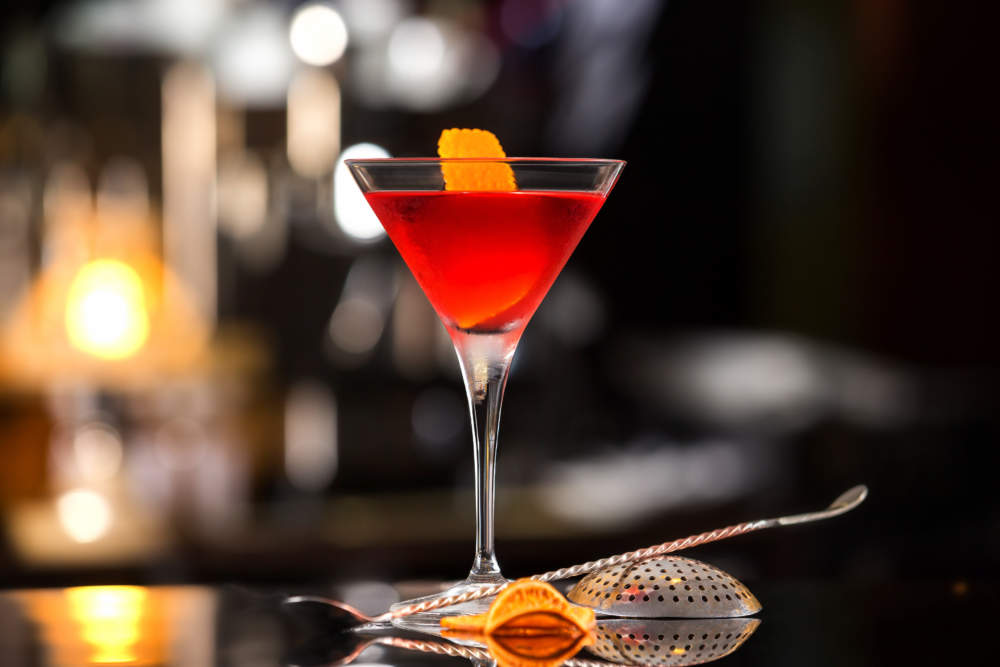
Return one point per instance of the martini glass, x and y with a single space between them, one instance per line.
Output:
485 260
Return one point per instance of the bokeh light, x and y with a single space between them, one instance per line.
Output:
429 64
370 20
416 48
313 121
353 214
318 34
242 194
311 449
84 514
97 451
106 310
356 325
252 59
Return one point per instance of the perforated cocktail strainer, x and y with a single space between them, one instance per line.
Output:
665 587
673 642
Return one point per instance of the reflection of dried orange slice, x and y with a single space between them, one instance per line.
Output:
479 176
537 651
527 608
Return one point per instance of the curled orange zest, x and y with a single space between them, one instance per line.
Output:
475 176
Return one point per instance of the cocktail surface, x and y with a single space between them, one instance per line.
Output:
485 259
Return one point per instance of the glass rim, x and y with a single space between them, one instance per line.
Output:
507 160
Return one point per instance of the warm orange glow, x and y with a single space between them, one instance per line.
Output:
106 312
109 617
678 651
675 580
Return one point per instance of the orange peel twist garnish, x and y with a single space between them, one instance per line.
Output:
475 176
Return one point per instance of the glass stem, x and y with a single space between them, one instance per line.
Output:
485 361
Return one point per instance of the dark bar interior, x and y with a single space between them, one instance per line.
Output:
220 384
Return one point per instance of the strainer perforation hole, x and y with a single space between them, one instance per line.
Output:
618 635
690 636
717 635
656 587
659 637
714 646
676 599
656 647
607 595
631 598
631 636
676 637
704 637
698 578
687 588
673 588
690 598
619 596
717 599
729 635
729 597
642 586
701 588
704 598
628 585
714 587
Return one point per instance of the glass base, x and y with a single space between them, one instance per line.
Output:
430 621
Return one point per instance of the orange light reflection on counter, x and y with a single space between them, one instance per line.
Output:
109 617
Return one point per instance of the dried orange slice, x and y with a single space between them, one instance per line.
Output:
476 176
527 608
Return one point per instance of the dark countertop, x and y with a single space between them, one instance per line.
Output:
925 621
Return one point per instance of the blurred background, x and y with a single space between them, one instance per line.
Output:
215 367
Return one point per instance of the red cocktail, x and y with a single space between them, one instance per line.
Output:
485 259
